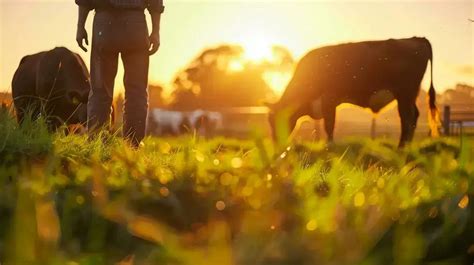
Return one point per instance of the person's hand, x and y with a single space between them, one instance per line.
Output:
154 43
81 37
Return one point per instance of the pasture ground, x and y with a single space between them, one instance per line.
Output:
70 200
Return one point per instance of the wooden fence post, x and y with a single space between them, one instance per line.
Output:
373 128
446 120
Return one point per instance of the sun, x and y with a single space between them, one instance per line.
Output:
257 48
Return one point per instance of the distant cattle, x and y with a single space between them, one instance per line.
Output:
173 123
54 84
369 74
166 122
205 123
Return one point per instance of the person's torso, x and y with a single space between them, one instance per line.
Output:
120 29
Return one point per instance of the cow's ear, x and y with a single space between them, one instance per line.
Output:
48 72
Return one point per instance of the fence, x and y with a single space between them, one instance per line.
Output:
458 120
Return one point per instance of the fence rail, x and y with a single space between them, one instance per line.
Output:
457 121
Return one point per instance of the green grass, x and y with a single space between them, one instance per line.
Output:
67 199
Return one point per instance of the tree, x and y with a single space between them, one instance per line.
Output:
222 77
185 100
155 95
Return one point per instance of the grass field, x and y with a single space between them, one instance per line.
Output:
70 200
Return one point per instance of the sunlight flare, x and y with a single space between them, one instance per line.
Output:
257 48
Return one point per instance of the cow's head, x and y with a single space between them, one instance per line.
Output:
283 119
79 84
272 113
78 106
72 78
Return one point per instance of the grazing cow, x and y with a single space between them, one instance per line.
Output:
172 123
55 84
216 120
369 74
167 122
205 123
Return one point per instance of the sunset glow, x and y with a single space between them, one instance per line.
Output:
277 81
298 25
257 48
236 65
257 52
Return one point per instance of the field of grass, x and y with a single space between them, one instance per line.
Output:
67 199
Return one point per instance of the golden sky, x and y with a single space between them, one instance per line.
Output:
189 26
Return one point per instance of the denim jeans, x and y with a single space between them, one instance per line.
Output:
124 33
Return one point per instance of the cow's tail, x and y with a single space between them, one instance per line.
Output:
434 113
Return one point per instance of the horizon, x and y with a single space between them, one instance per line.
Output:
256 27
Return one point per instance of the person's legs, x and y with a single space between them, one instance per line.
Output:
104 62
136 95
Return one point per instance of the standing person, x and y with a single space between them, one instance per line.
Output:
120 28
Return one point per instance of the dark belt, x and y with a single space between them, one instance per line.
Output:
108 14
120 11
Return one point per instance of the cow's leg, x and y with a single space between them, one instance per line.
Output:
414 122
329 115
408 119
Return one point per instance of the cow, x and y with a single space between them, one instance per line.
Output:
205 123
370 74
216 120
54 84
173 123
167 122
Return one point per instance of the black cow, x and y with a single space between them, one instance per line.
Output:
369 74
55 84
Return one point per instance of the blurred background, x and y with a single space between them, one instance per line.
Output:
224 55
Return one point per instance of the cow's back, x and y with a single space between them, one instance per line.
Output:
363 57
352 71
24 79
